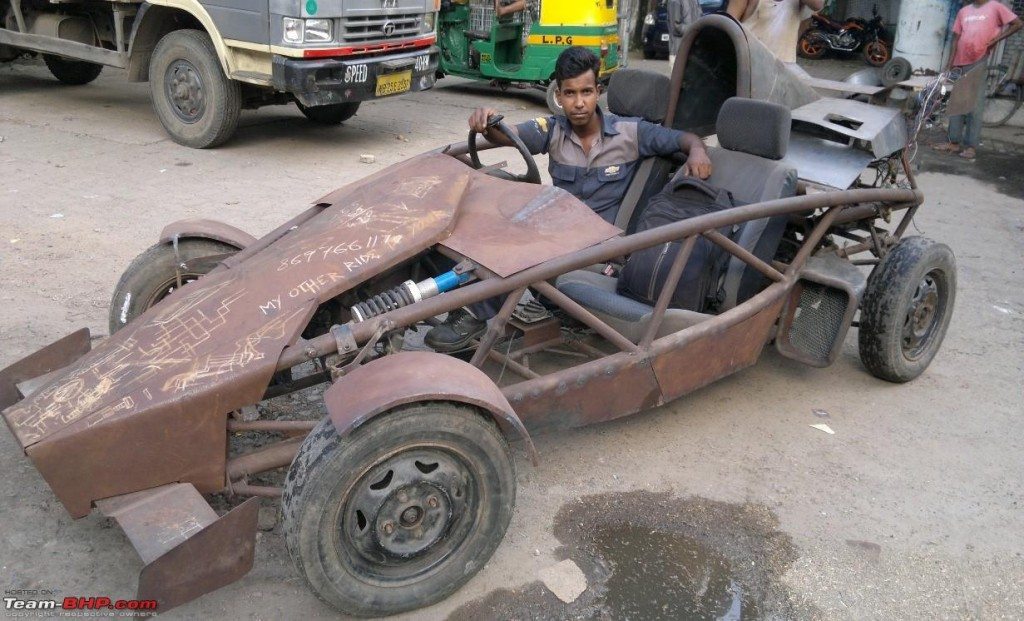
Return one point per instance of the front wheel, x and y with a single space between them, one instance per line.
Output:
401 512
72 72
906 309
877 53
332 114
156 273
196 103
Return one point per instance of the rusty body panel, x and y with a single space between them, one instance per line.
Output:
546 226
58 354
148 405
187 549
207 229
408 377
214 557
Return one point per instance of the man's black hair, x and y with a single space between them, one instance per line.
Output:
574 62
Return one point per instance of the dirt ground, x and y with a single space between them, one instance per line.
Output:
724 504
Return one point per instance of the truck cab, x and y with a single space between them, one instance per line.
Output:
205 61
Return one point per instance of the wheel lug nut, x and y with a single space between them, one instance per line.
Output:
432 502
388 528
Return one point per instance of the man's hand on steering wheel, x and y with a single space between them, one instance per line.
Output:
488 122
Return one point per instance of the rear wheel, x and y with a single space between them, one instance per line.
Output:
1002 104
152 276
72 72
331 114
906 309
811 46
401 512
877 53
197 104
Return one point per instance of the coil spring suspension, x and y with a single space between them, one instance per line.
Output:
383 302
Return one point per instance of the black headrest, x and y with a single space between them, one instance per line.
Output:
755 127
634 92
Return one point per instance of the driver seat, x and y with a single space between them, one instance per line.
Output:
642 94
754 136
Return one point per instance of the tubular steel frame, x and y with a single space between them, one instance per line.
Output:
862 205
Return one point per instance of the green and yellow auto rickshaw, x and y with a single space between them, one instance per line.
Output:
520 49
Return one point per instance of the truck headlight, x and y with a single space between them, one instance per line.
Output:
317 31
292 30
428 22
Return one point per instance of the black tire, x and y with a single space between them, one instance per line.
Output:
151 277
72 72
811 46
1000 107
552 99
906 309
401 512
895 71
649 54
196 103
333 114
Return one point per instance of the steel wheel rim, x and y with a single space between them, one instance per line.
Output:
169 286
184 89
927 308
878 52
406 515
812 49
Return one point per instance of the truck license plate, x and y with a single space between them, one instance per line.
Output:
393 83
664 37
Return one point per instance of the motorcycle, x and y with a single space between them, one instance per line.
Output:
869 37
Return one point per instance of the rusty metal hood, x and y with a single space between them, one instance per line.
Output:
212 346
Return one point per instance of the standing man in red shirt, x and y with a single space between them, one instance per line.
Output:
979 26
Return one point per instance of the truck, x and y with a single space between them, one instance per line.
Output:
206 60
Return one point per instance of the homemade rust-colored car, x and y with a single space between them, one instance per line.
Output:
401 494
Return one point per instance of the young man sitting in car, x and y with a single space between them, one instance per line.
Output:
592 155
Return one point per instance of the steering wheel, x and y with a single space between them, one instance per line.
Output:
532 174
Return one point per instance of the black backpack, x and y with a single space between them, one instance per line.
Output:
645 272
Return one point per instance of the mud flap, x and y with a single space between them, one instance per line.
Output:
187 549
54 356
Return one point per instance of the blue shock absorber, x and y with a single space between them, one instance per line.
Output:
407 293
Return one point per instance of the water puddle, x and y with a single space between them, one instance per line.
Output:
666 575
650 556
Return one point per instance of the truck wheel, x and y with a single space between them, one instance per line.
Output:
332 114
401 512
73 72
552 99
197 104
906 309
151 277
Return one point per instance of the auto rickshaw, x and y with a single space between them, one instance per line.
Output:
521 49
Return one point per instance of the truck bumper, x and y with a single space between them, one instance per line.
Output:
320 82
